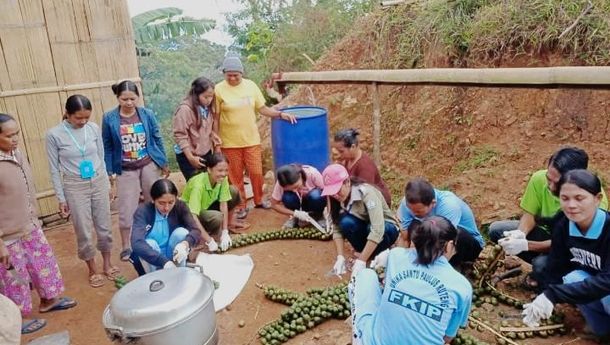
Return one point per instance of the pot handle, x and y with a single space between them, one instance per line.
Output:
113 331
195 266
156 285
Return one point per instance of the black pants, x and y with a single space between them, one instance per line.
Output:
187 169
467 248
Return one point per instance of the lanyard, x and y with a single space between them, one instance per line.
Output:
79 147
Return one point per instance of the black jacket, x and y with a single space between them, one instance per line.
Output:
569 253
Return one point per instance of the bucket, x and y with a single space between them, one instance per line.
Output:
306 142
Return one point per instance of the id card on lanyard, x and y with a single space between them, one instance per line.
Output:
85 167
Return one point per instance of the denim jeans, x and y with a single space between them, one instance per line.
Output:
312 202
177 236
596 313
356 231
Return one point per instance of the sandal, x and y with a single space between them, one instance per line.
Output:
63 303
113 274
96 280
125 254
32 326
529 283
239 227
241 214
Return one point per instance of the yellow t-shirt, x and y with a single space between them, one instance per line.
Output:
238 106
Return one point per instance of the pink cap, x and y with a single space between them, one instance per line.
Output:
333 176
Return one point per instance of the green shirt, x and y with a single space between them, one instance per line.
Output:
199 193
539 201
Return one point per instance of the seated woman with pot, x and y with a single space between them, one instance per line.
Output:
163 231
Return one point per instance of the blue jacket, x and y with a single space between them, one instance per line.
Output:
113 150
144 220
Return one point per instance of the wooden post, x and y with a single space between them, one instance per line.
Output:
376 125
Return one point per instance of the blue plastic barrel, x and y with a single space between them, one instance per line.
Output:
305 142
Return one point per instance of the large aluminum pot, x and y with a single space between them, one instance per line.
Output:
171 306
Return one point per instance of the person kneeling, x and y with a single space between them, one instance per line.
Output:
425 300
578 266
362 214
163 231
298 193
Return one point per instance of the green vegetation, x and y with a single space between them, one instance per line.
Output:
276 36
485 32
478 157
167 23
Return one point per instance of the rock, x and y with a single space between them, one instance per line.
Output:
241 323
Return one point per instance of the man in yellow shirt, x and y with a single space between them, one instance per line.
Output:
237 102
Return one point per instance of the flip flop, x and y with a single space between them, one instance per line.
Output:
113 273
96 280
63 303
125 254
32 326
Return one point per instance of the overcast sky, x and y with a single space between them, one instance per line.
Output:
212 9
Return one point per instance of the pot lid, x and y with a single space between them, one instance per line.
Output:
158 300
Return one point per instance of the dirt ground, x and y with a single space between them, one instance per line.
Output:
296 265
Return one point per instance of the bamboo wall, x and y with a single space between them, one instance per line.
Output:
51 49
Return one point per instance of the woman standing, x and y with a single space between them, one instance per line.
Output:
298 192
25 255
362 215
76 161
237 102
424 299
578 266
192 128
163 230
358 163
133 153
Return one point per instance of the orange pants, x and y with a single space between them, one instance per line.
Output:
251 158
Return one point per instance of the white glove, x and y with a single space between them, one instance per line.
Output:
169 264
358 266
225 240
516 234
301 215
381 260
339 267
212 245
540 308
181 252
513 246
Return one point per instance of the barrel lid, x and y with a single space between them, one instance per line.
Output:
304 112
158 300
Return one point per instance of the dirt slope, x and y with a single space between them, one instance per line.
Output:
481 143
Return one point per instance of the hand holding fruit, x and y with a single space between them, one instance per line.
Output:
540 308
381 260
212 245
225 240
181 252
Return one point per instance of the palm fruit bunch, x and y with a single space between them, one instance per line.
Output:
120 281
291 234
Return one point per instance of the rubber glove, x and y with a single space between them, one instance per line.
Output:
301 215
169 264
540 308
225 240
513 246
358 266
212 245
516 234
328 220
339 267
181 252
381 260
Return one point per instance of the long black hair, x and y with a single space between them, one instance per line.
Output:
161 187
125 85
583 179
199 86
289 174
430 238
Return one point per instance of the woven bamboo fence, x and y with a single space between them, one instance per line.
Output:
51 49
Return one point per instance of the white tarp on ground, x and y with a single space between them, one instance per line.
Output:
230 271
